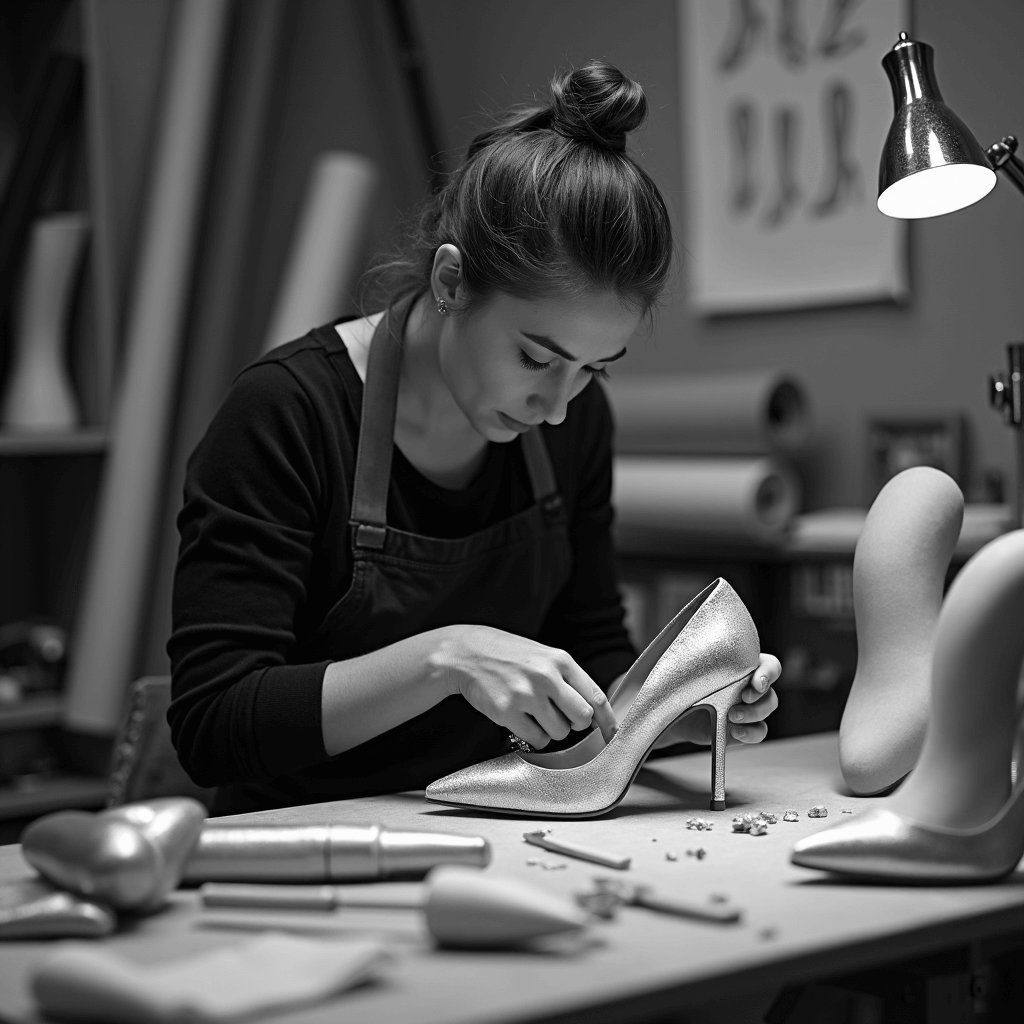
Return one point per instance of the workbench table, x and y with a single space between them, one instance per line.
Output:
798 926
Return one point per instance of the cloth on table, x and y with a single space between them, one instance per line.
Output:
89 983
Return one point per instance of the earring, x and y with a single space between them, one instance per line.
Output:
442 306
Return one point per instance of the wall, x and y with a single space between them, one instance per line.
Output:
338 89
966 269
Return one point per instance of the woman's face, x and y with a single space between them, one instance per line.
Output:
513 363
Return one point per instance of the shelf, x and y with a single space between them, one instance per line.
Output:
30 798
835 531
827 533
89 441
40 712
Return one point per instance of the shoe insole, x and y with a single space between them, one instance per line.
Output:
593 743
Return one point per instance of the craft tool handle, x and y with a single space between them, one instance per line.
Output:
679 908
268 897
325 853
394 896
608 860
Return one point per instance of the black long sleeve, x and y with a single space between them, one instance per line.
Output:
265 553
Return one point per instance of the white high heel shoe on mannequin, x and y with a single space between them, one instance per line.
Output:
954 820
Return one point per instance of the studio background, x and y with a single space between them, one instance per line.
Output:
966 269
304 76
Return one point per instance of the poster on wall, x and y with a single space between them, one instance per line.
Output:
785 109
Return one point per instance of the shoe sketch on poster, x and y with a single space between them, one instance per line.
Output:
785 110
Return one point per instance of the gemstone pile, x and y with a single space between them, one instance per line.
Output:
754 824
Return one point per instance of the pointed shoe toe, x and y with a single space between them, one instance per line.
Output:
701 659
975 663
881 845
864 845
481 785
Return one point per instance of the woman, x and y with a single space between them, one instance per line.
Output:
395 542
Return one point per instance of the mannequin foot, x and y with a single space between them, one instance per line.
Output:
954 820
963 777
899 569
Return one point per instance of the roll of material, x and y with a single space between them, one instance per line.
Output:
117 582
327 246
742 500
750 413
326 853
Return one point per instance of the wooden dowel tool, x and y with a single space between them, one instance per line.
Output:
607 860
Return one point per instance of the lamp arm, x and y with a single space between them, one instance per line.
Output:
1006 390
1003 157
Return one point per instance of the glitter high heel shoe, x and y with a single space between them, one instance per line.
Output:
701 659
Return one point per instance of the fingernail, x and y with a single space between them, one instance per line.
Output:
739 732
736 715
762 682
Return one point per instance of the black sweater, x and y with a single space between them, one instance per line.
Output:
265 553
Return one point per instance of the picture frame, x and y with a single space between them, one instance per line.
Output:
785 110
896 443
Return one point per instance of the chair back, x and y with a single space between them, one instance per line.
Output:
144 764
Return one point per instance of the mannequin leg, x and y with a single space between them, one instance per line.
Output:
962 778
898 574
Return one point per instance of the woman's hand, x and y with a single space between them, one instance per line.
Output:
747 719
537 692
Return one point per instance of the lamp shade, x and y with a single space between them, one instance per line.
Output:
932 163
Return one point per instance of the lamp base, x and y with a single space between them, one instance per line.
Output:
1017 503
1006 393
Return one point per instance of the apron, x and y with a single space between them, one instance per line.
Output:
506 576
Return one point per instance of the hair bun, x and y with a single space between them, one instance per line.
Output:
597 103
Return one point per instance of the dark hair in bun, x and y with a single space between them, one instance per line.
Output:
599 104
547 200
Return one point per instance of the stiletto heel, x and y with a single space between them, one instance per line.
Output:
701 659
718 704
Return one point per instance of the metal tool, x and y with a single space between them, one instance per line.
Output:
326 853
385 895
608 894
462 908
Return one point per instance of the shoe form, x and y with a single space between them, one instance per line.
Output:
899 571
884 845
127 857
978 650
701 659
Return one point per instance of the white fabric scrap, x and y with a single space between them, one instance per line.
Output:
89 983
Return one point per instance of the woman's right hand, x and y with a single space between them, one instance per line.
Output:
537 692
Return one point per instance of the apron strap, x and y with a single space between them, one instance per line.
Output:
538 466
377 437
377 428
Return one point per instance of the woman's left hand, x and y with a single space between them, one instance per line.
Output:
746 719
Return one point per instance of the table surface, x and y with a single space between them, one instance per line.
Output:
798 925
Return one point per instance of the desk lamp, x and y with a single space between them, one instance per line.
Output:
932 164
